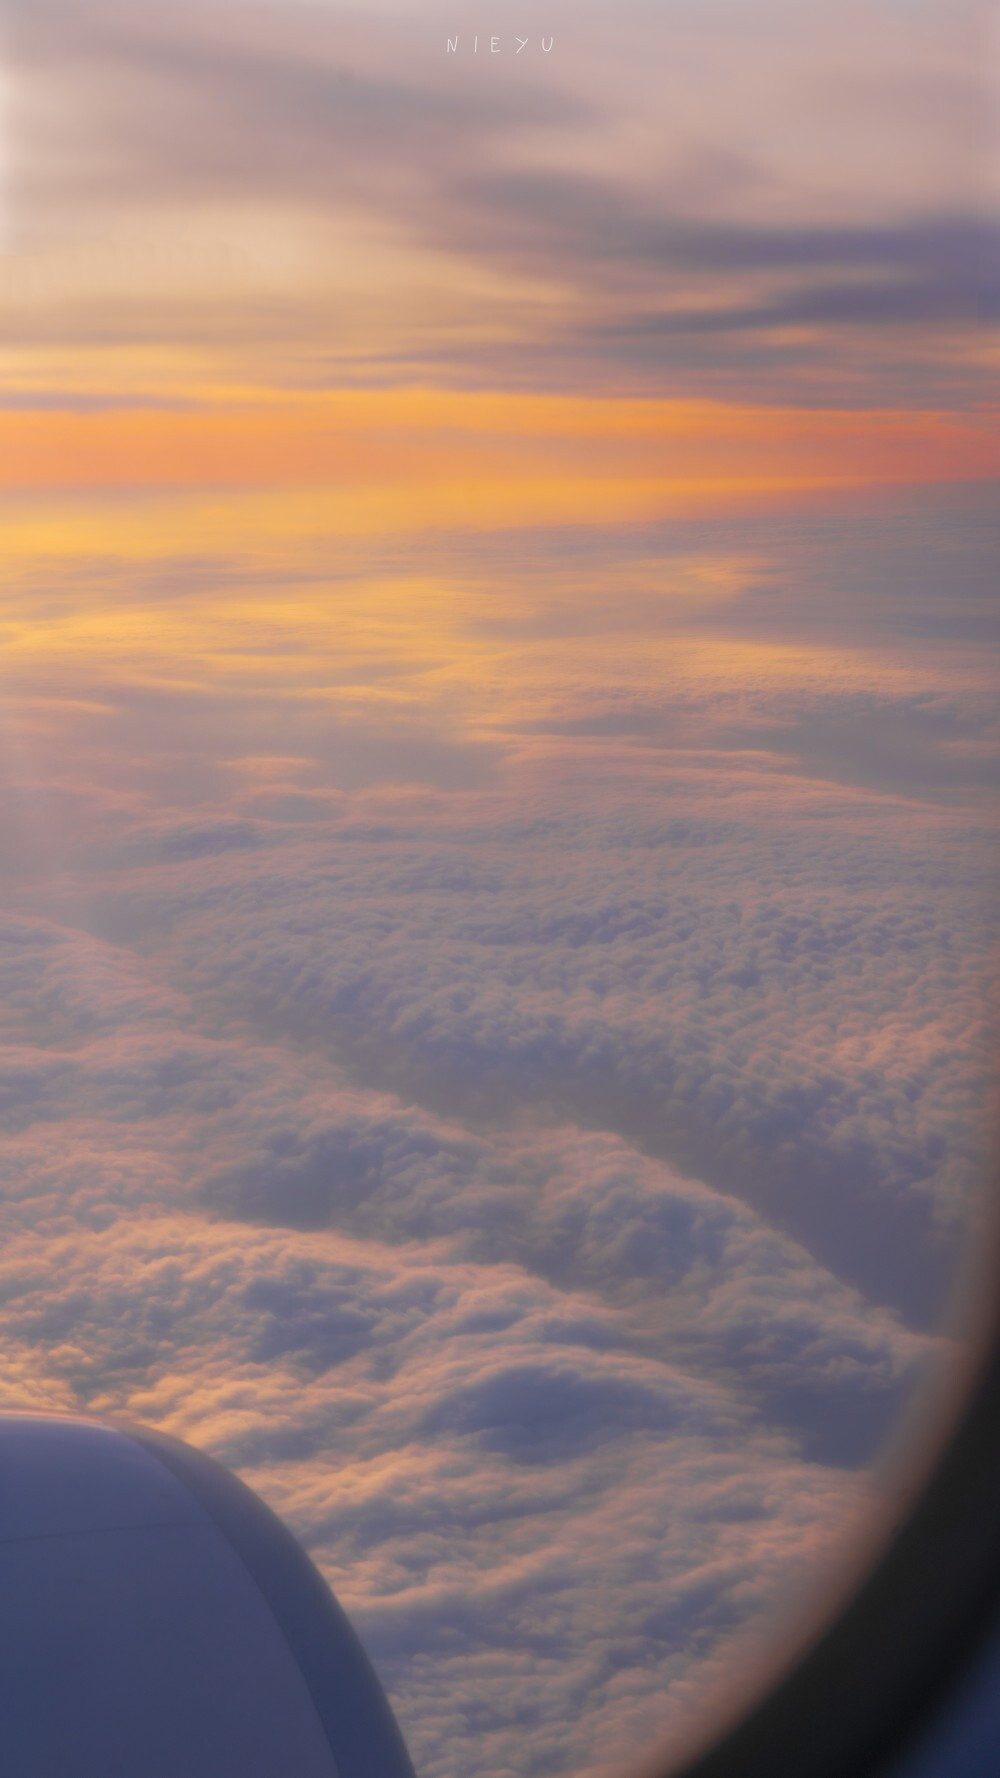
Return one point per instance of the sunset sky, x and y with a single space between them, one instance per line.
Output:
498 757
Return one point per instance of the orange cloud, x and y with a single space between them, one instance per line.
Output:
424 439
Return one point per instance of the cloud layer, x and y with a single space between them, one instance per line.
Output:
518 1098
625 209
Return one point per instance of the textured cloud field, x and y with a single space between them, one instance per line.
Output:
518 1094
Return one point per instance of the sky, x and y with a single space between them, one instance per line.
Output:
498 761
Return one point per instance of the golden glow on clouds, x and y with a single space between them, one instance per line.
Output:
290 479
415 438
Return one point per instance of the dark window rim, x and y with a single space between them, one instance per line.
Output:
886 1662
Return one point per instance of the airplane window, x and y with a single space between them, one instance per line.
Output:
498 760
